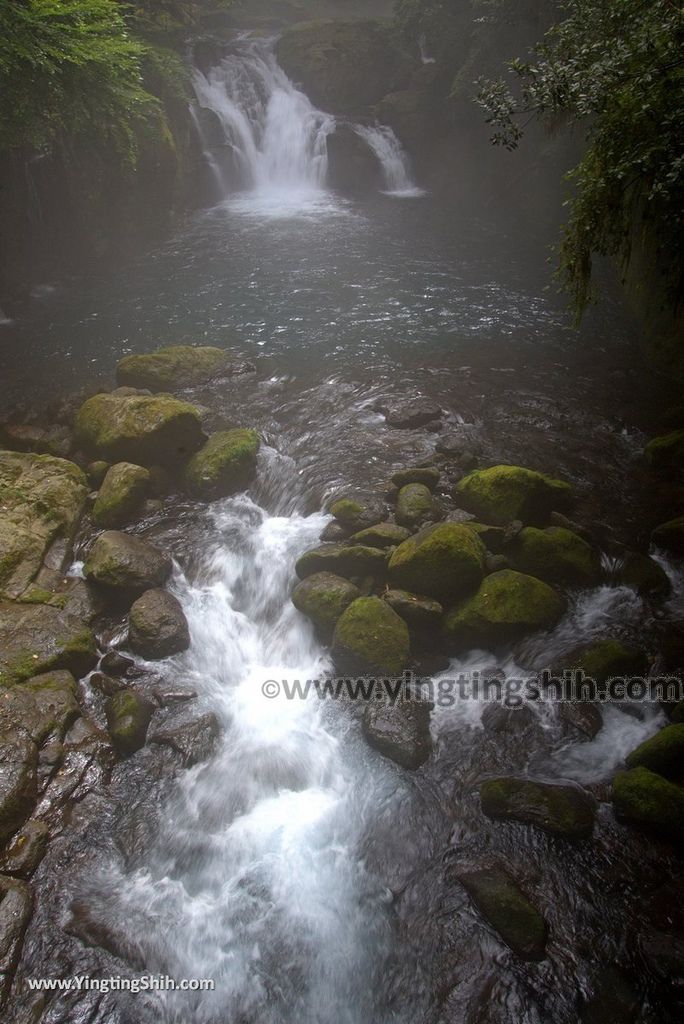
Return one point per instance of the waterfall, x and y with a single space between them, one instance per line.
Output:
393 158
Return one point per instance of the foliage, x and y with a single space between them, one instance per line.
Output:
617 68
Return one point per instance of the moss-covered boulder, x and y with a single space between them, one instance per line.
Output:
643 574
38 638
41 502
560 810
555 555
400 732
444 562
666 451
415 506
647 800
343 560
603 660
157 626
177 366
224 465
96 472
670 536
504 905
128 717
428 476
507 605
125 564
323 597
371 639
421 613
382 535
501 494
662 753
123 491
128 426
356 514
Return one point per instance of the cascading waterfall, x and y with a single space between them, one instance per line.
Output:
393 159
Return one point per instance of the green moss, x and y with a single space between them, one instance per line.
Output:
382 535
371 638
605 659
662 753
342 559
123 491
647 800
226 464
666 450
346 510
503 493
176 366
444 562
128 716
506 907
415 505
560 810
555 555
37 595
323 597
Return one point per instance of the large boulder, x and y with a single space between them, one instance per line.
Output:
508 910
370 639
356 514
603 660
323 597
400 732
343 66
157 626
643 574
666 451
662 753
561 810
670 536
130 426
342 559
126 564
41 502
649 801
415 506
224 465
501 494
177 366
128 717
444 562
555 555
123 491
382 535
37 638
507 605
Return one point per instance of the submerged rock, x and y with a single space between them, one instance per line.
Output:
418 611
123 491
226 464
561 810
670 536
507 605
554 555
323 597
370 638
662 753
356 514
126 564
502 903
410 414
583 715
38 638
194 740
382 535
177 366
647 800
502 493
643 574
130 426
400 732
342 559
613 1000
415 506
157 626
128 717
444 562
666 451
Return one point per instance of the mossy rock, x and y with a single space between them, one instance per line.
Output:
224 465
603 660
415 506
323 597
643 574
666 451
426 475
662 753
502 903
157 626
670 536
123 491
176 366
443 561
127 426
356 514
125 564
37 638
382 535
560 810
343 560
647 800
370 638
96 472
554 555
55 699
417 611
507 605
501 494
128 717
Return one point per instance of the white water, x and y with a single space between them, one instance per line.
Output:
393 159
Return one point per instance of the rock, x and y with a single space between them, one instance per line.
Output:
603 660
555 555
418 612
370 639
157 626
499 718
335 532
428 476
104 684
342 559
128 717
560 810
666 451
444 562
670 536
495 563
130 426
125 564
352 165
505 906
178 366
643 574
343 66
323 597
18 780
493 537
662 753
55 706
226 464
355 514
502 493
408 415
649 801
16 905
123 491
26 850
114 663
400 732
507 605
41 502
96 472
558 519
613 1000
583 715
195 741
382 535
39 638
21 437
415 506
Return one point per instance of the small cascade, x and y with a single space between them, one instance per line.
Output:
422 47
393 159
